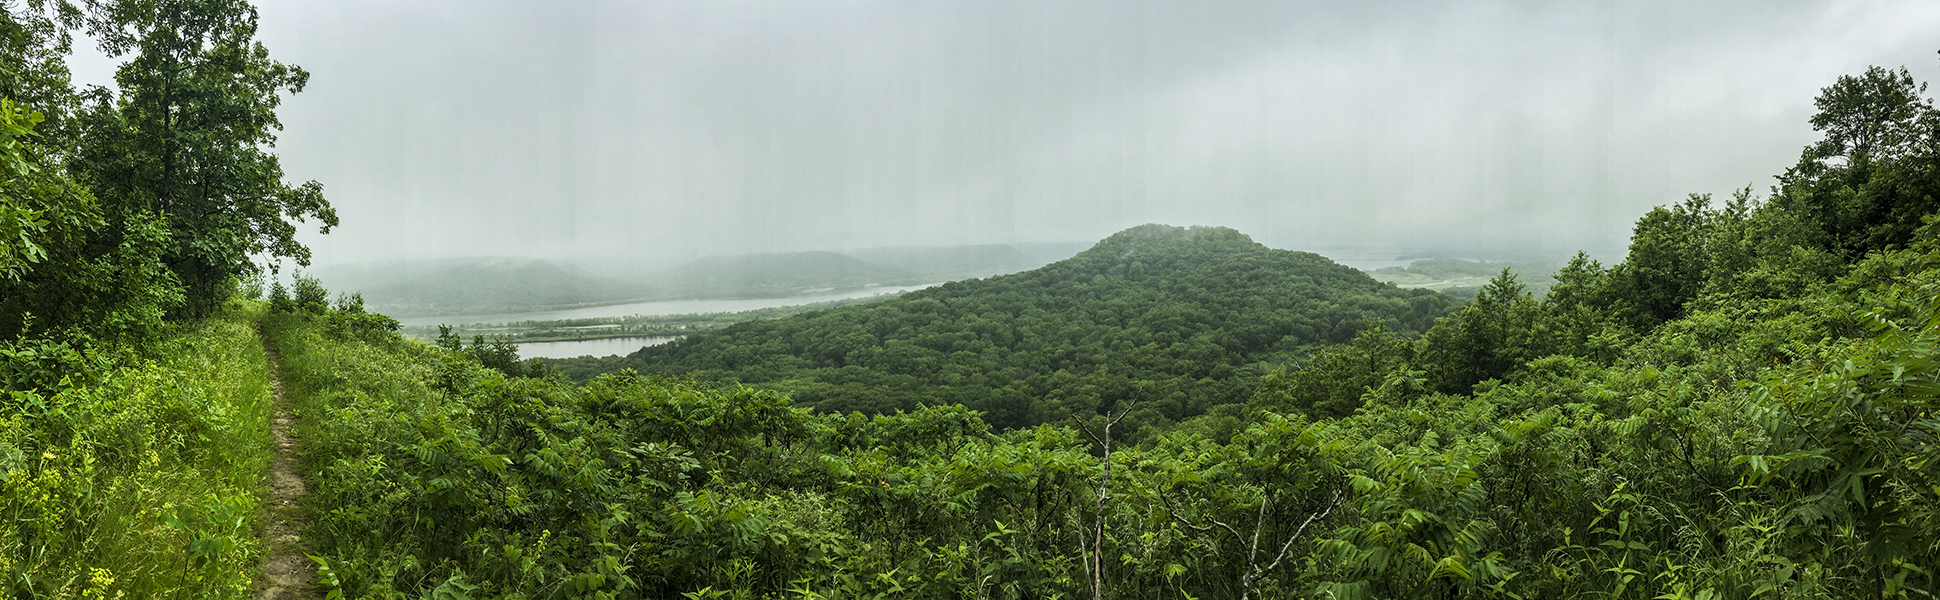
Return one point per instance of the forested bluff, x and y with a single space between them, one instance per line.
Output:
1743 407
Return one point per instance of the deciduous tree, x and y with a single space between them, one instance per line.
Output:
189 137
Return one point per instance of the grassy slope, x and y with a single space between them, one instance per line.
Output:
146 483
350 398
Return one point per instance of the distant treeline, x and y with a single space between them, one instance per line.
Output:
504 285
596 328
1463 278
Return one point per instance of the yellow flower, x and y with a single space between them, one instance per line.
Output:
98 581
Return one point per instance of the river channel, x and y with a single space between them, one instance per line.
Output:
605 347
662 307
628 345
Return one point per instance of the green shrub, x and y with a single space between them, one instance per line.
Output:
279 298
309 294
142 480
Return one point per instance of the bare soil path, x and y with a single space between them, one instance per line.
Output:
287 574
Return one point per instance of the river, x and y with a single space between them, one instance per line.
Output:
604 347
629 345
662 307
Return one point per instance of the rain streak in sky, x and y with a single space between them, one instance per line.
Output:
674 129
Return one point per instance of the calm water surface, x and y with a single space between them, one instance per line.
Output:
605 347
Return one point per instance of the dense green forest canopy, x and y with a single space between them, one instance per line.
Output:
1183 318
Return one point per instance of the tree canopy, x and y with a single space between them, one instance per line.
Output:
188 137
1867 184
125 207
1185 318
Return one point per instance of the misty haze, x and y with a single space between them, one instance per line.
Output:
658 133
508 156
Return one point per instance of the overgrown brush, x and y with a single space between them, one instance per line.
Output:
1772 448
141 479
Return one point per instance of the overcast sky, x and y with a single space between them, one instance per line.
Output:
685 128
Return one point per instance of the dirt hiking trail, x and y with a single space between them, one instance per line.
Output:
288 574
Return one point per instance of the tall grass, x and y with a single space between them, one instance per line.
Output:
350 393
146 483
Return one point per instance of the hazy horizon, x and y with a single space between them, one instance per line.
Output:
673 131
1365 258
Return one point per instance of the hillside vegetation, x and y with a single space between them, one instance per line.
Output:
1186 319
1759 447
1743 408
1747 406
134 474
